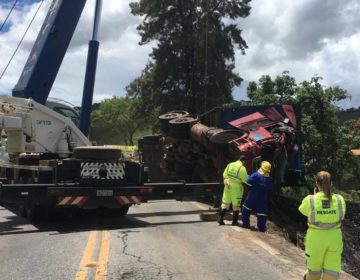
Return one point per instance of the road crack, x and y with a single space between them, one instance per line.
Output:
144 269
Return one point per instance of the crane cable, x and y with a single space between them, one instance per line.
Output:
12 8
18 46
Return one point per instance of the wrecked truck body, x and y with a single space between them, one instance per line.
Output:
198 148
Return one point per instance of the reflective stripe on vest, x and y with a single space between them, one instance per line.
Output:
325 225
235 177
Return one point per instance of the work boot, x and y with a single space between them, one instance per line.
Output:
327 276
312 276
221 217
235 218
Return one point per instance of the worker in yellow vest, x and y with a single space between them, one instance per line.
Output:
234 175
323 241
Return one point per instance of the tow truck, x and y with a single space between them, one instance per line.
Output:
46 160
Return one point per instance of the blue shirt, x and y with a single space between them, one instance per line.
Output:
258 186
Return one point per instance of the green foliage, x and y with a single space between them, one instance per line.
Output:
349 195
192 65
321 131
348 163
301 192
266 91
116 122
296 192
326 143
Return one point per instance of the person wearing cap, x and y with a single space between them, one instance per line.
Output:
234 175
258 184
323 241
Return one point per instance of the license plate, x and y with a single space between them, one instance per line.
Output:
104 193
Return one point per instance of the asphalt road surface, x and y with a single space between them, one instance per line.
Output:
156 240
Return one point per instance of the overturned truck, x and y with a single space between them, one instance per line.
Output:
196 149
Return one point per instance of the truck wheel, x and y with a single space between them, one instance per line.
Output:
115 212
180 128
121 212
22 210
37 213
220 141
97 153
165 118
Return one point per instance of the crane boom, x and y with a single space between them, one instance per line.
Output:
49 49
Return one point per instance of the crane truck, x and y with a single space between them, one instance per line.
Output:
46 160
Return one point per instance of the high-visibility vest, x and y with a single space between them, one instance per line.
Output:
236 172
323 213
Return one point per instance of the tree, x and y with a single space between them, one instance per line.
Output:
348 163
192 65
267 91
321 131
326 144
114 122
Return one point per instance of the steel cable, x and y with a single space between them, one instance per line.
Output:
7 17
27 29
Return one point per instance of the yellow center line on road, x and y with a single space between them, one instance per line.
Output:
101 269
87 261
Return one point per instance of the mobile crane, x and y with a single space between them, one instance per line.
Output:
46 161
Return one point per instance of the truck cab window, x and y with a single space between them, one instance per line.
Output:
74 116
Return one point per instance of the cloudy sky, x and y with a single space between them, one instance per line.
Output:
307 38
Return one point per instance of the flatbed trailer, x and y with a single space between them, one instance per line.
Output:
37 189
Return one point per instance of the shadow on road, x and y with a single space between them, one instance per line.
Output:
76 220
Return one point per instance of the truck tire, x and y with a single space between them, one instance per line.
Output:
38 213
97 153
165 118
180 128
22 210
121 212
115 212
220 141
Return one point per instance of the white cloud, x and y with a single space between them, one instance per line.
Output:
306 37
120 58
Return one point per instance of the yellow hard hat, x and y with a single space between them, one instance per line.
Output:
265 168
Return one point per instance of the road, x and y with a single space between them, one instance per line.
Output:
156 240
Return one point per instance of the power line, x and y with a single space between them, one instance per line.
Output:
27 29
12 8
